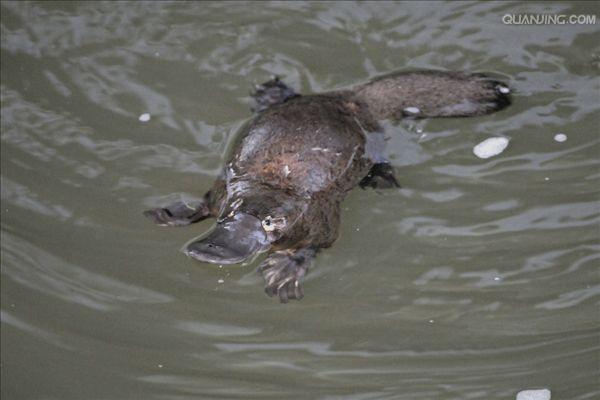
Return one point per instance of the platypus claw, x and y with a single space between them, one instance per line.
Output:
179 213
289 290
270 93
282 271
381 176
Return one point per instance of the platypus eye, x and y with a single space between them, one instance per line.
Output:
269 224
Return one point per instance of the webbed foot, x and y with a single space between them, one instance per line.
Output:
283 270
179 213
270 93
381 176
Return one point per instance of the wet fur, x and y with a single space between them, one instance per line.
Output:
300 155
434 93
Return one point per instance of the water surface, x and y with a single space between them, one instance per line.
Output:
477 279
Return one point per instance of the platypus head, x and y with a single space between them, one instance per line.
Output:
249 225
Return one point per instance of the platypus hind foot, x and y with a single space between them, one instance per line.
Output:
270 93
179 213
381 176
282 271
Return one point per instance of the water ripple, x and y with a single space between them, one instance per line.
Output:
52 338
325 349
21 196
37 269
218 330
523 162
570 299
562 216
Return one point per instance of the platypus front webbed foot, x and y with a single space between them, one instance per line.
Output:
282 271
270 93
179 213
381 176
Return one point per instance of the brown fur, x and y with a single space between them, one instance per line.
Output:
299 156
435 94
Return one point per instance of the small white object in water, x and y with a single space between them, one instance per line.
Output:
503 89
412 110
560 137
160 365
221 281
541 394
145 117
497 278
490 147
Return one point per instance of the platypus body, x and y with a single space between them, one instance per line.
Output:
295 161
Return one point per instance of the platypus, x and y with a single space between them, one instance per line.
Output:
296 159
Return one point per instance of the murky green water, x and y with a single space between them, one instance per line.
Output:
476 280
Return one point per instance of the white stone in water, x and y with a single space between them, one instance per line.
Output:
541 394
560 137
412 110
490 147
503 89
145 117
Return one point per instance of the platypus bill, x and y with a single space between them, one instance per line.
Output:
294 162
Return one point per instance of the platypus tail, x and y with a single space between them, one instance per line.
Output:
423 94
